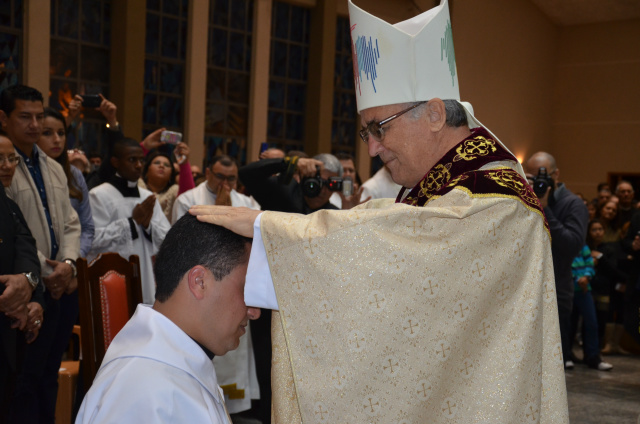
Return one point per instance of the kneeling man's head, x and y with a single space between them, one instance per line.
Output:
200 272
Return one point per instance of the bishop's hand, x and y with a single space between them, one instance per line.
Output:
238 220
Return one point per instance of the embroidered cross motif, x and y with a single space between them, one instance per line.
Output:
478 270
518 249
356 340
311 346
466 368
371 405
484 328
443 351
461 311
337 378
431 287
423 389
376 301
297 282
410 327
449 248
492 230
326 310
321 412
503 288
390 367
448 407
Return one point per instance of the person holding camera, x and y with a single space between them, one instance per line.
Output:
568 218
302 185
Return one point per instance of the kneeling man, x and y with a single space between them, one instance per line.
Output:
158 368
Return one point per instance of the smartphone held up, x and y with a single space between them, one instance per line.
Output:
171 137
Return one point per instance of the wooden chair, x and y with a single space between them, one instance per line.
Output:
109 291
68 380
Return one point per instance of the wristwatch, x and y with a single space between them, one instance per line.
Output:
72 264
32 279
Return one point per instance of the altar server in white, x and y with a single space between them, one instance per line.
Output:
158 368
128 219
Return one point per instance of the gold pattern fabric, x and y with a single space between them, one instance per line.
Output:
392 313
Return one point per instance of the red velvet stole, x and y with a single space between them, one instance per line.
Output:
459 168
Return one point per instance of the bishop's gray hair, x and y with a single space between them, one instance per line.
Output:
455 112
330 162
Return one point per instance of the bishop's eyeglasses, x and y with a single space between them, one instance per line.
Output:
375 130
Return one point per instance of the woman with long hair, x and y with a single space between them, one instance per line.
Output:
53 141
607 213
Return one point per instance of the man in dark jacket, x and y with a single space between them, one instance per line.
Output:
283 192
568 218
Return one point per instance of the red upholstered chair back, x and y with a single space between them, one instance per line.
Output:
109 291
114 304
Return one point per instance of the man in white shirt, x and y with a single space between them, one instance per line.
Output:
236 370
218 189
380 186
158 368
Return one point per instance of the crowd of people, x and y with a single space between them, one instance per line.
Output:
456 293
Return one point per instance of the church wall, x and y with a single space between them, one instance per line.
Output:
506 53
597 108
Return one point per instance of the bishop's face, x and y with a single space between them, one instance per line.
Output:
405 148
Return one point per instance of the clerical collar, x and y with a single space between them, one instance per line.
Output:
209 354
125 187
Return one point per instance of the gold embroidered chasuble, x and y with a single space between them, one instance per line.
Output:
446 313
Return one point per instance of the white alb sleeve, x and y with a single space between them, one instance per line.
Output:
258 289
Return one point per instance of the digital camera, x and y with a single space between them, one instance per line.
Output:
541 182
312 186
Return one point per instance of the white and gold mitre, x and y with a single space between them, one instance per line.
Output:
410 61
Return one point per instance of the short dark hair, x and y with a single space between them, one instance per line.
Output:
94 154
191 242
9 95
120 145
345 156
225 160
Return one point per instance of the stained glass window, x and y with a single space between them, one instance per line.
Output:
343 130
288 75
10 42
79 64
228 78
164 68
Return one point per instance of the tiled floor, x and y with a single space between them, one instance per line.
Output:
601 397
